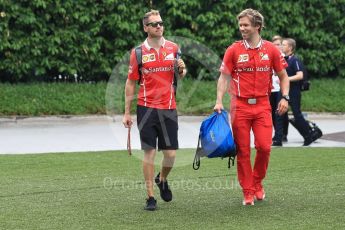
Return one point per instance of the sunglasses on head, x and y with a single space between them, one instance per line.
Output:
155 24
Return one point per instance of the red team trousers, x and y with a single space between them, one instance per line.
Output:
244 117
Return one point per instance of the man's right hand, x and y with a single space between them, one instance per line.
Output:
218 107
127 120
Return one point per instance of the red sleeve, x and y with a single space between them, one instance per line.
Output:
279 62
227 64
133 73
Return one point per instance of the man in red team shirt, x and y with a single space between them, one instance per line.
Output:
248 64
156 107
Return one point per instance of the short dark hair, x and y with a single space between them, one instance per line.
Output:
292 43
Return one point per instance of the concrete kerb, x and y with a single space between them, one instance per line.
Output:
54 119
45 134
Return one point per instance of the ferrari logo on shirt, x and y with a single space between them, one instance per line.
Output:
243 58
164 53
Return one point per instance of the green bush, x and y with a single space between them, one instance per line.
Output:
84 39
42 39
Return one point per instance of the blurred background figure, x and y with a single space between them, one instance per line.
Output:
281 126
295 73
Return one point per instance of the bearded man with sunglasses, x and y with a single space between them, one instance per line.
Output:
156 106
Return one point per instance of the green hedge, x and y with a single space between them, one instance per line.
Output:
42 39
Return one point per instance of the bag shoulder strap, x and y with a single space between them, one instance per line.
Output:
198 154
176 73
231 161
138 55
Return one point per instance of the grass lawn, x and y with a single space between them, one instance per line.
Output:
104 190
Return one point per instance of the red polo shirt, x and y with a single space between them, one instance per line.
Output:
156 87
251 68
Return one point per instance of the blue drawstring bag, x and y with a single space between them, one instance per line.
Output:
216 139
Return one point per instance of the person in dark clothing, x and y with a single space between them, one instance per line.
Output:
295 73
280 127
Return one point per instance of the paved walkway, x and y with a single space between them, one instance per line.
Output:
98 133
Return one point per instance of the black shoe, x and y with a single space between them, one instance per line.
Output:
313 136
164 189
284 139
151 204
277 143
308 140
316 134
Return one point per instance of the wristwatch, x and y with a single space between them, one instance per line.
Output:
286 97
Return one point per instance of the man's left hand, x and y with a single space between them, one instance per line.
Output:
282 107
181 68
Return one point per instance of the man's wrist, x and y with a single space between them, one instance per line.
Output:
286 97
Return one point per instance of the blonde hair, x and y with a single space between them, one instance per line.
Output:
277 37
254 16
148 14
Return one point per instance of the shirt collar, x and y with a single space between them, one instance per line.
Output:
246 44
147 46
289 56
